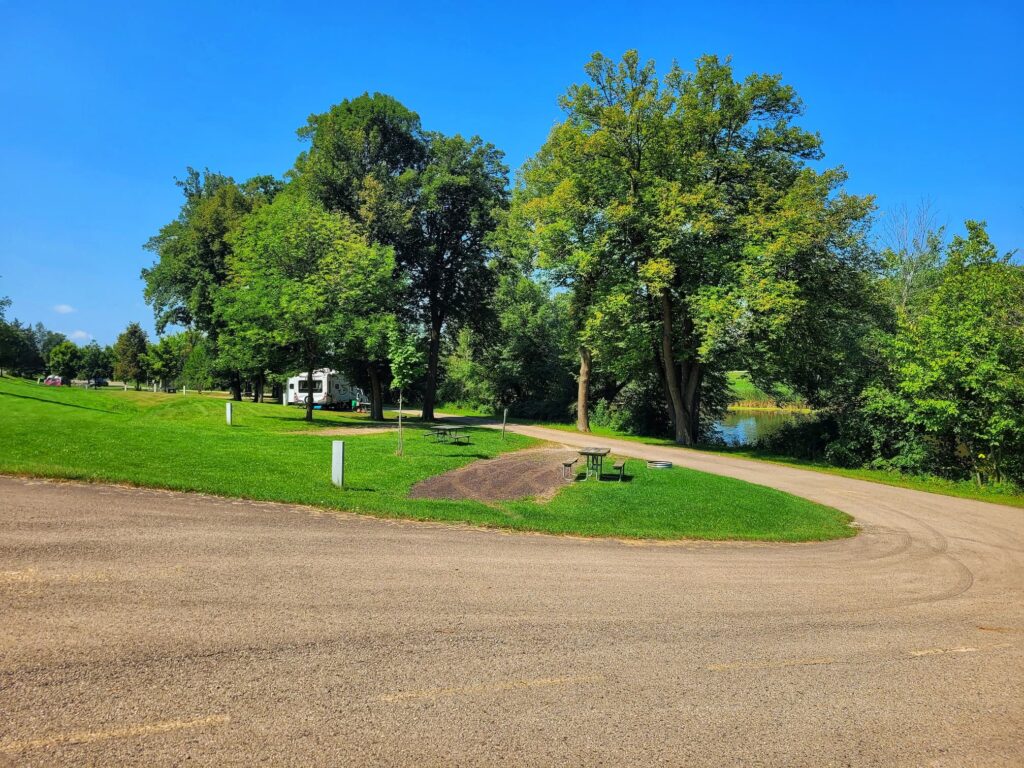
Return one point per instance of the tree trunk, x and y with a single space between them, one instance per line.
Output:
698 376
676 406
693 373
257 388
376 393
309 393
433 353
236 387
583 392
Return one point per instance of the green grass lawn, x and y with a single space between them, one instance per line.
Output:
964 489
182 442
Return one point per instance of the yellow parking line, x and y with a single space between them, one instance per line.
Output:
88 737
770 664
961 649
932 651
509 685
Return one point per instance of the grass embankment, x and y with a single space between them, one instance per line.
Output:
963 489
181 442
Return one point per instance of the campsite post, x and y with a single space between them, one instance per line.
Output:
504 419
338 463
229 412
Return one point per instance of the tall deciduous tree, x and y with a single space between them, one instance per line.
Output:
461 190
693 198
430 197
130 354
364 160
303 273
192 251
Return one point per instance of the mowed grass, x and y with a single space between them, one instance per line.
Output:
182 442
1004 494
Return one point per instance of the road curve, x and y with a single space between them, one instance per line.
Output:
151 628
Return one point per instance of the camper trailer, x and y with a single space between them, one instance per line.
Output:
331 391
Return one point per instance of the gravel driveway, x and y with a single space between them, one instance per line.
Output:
153 628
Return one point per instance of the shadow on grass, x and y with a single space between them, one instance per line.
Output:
326 424
605 477
56 402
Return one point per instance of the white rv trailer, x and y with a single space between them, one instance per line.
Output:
331 391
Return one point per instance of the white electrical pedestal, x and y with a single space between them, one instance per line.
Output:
338 463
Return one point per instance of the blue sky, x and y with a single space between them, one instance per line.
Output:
104 103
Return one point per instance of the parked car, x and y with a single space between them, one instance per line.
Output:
53 381
97 382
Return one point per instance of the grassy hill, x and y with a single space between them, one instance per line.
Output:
182 442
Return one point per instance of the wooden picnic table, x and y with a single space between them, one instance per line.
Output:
449 432
595 460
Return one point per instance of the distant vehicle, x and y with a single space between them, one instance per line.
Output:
54 381
331 391
97 383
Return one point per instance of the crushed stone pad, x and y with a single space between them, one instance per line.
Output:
519 475
342 431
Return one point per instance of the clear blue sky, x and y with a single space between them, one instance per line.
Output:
104 103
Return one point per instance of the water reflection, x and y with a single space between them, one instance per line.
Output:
740 427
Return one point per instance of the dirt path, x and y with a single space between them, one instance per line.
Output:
518 475
153 628
342 431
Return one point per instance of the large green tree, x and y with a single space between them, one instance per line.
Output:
130 355
692 201
430 197
960 364
65 360
97 362
192 252
364 159
166 358
461 190
302 274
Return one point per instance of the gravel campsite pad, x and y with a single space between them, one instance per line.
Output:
519 475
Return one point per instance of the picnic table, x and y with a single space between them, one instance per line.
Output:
595 460
453 433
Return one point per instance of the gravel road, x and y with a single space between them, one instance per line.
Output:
151 628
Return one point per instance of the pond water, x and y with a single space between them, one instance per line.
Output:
742 427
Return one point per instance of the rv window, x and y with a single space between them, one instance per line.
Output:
318 385
291 385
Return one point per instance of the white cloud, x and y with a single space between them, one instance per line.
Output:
80 336
63 309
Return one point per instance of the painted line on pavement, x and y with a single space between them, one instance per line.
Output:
510 685
961 649
88 737
770 664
